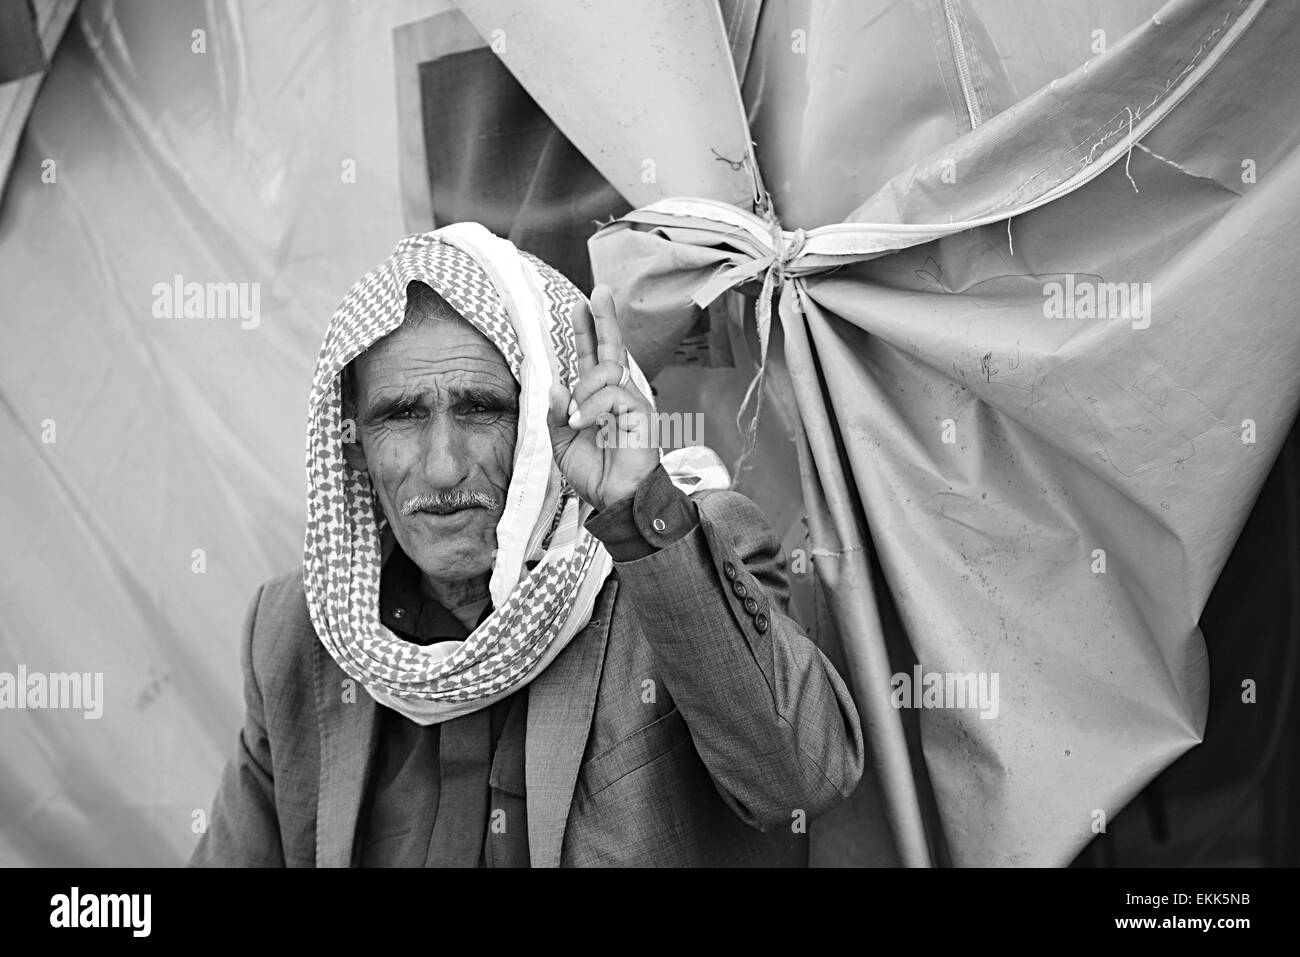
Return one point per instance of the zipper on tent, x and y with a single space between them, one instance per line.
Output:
962 64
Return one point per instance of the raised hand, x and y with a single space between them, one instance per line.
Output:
600 433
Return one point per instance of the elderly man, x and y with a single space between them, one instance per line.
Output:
515 640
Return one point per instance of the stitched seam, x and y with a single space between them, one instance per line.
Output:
939 47
1204 38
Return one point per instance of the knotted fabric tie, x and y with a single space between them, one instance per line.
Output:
776 266
756 248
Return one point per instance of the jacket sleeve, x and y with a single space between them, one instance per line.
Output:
242 828
770 718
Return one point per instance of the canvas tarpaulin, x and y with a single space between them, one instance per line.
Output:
27 32
1050 488
155 472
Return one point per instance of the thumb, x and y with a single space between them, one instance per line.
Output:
557 419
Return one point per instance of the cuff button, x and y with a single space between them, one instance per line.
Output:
751 606
740 590
760 622
730 571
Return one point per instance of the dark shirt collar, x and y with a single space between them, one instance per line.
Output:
406 610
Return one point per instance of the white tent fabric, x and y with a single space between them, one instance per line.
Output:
992 504
156 474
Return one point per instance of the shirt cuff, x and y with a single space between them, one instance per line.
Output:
657 514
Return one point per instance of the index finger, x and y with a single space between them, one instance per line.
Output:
584 337
609 338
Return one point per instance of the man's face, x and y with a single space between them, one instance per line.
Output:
437 410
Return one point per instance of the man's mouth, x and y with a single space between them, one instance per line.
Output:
444 506
446 509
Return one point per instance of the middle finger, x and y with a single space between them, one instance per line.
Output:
609 338
598 377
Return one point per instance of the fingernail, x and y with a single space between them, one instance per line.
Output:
573 406
573 421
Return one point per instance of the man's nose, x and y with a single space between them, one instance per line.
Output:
445 453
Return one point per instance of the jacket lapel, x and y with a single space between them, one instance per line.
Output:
347 744
561 702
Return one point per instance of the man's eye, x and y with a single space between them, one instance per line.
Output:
483 410
401 415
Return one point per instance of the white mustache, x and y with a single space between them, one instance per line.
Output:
447 501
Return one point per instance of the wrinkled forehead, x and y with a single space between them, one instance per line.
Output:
435 344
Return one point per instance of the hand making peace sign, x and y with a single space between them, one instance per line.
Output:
600 433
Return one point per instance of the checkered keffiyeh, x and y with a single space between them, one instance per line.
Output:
548 568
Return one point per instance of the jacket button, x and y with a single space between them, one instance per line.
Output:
659 525
751 606
730 571
740 589
760 622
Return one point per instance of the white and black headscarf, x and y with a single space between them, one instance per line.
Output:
548 568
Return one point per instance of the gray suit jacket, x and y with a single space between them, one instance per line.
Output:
679 728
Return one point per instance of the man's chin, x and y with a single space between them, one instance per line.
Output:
451 554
